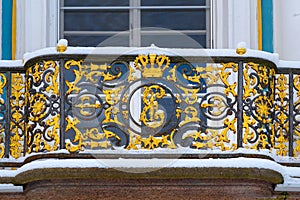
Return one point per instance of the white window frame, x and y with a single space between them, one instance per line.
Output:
135 9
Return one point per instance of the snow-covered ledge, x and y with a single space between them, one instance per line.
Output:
11 64
117 51
273 57
286 178
232 168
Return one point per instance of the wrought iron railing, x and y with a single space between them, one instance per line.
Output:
150 102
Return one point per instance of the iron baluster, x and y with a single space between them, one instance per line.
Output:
240 105
291 112
7 114
62 104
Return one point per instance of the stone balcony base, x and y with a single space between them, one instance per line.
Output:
163 183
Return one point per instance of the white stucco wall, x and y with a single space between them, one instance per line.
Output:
36 25
0 28
234 22
287 29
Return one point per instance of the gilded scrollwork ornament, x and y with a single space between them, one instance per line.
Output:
91 106
281 115
151 107
2 145
42 100
258 101
151 142
17 123
3 83
296 111
174 99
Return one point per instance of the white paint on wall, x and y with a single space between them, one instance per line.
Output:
235 21
287 29
20 26
36 25
1 29
52 23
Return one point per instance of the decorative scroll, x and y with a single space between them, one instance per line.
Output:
217 122
281 115
3 83
87 96
153 103
43 107
258 101
296 116
17 121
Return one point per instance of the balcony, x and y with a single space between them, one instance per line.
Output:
117 103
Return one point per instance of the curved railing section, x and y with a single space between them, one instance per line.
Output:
150 102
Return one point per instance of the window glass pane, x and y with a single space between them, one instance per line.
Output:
96 21
174 41
96 2
173 2
118 20
200 39
93 41
174 20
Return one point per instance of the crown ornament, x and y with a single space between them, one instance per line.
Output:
152 65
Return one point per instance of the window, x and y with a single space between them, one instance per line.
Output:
135 22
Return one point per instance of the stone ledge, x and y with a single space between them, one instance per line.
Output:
159 173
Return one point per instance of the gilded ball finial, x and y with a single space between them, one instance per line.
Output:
241 48
62 45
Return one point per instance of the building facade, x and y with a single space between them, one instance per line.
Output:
141 99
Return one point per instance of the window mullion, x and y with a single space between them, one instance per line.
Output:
135 23
208 25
